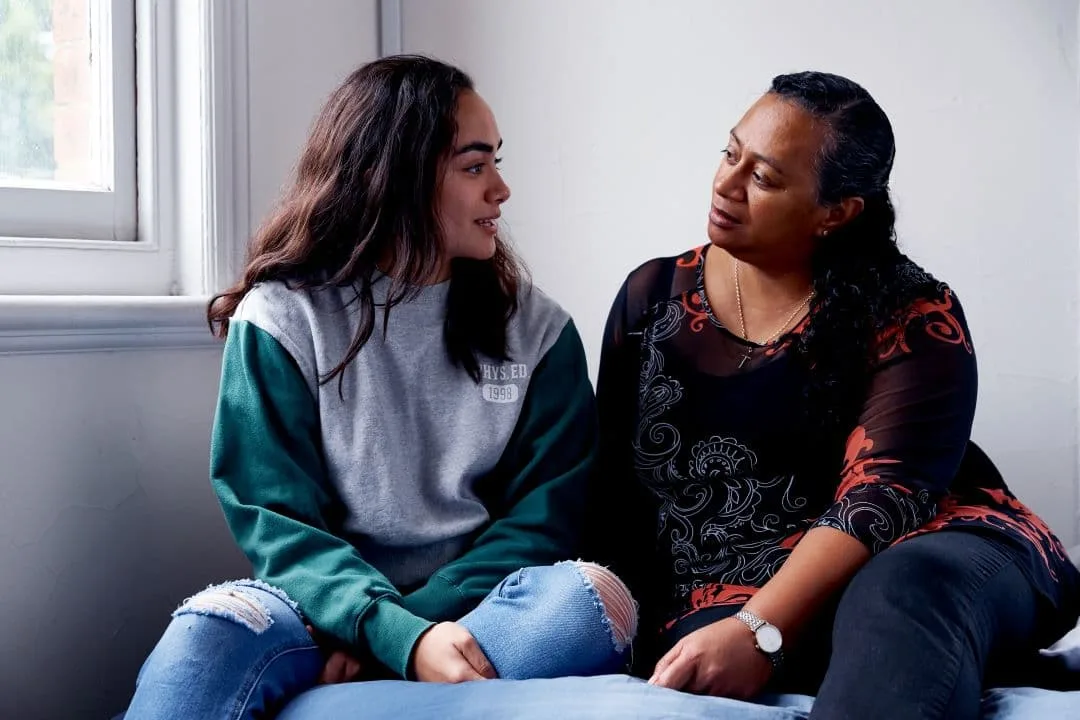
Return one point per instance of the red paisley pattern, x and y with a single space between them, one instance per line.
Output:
695 309
787 338
938 319
909 467
692 258
980 506
713 595
859 466
1003 511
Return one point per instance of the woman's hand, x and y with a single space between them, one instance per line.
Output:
340 666
448 653
719 659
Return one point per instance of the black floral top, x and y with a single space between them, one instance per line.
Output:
719 478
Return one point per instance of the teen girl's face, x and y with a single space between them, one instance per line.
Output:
471 191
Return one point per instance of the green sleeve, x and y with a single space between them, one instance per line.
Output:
268 471
535 495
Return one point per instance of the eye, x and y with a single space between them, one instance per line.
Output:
762 180
475 169
728 154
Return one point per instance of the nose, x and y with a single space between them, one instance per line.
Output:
500 192
729 184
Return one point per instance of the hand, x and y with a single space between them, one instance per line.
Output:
447 652
340 666
719 659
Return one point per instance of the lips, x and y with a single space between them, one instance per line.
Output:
724 218
489 225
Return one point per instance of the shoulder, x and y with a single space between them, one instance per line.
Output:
291 316
658 280
538 324
269 302
665 276
930 315
276 304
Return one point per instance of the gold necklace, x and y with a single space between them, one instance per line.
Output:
742 320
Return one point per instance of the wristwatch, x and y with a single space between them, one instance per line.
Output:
769 639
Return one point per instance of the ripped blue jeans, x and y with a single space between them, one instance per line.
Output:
241 650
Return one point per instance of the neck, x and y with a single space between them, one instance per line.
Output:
765 287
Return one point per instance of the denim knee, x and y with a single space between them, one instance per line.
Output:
270 622
231 651
252 604
551 621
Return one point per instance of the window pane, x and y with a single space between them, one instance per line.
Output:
51 100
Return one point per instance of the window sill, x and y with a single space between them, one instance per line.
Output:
63 324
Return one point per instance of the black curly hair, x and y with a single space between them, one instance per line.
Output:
862 281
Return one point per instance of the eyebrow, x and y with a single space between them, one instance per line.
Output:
771 162
478 146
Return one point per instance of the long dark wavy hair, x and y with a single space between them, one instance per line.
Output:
862 281
364 193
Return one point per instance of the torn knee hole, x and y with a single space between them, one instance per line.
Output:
619 605
230 602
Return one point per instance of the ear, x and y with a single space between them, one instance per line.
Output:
841 214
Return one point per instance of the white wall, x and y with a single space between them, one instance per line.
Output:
298 53
614 115
107 520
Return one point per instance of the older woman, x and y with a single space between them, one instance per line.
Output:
790 409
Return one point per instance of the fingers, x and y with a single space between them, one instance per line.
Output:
448 653
333 669
352 668
472 653
677 674
340 667
664 662
456 669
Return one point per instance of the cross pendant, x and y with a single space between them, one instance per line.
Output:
745 358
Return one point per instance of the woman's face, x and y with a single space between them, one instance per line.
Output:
765 194
471 190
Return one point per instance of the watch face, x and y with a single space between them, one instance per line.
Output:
769 639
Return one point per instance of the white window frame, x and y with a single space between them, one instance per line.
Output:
184 171
80 295
46 211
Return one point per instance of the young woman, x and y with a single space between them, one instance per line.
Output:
403 422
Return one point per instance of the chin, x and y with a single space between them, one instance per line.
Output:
722 238
479 246
482 251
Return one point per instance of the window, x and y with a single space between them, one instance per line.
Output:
123 169
67 120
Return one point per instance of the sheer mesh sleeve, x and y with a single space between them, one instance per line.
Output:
913 429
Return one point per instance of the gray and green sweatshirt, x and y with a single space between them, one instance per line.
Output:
404 496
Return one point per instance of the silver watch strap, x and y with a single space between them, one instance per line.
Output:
749 619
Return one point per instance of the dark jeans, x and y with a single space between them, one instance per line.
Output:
919 632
